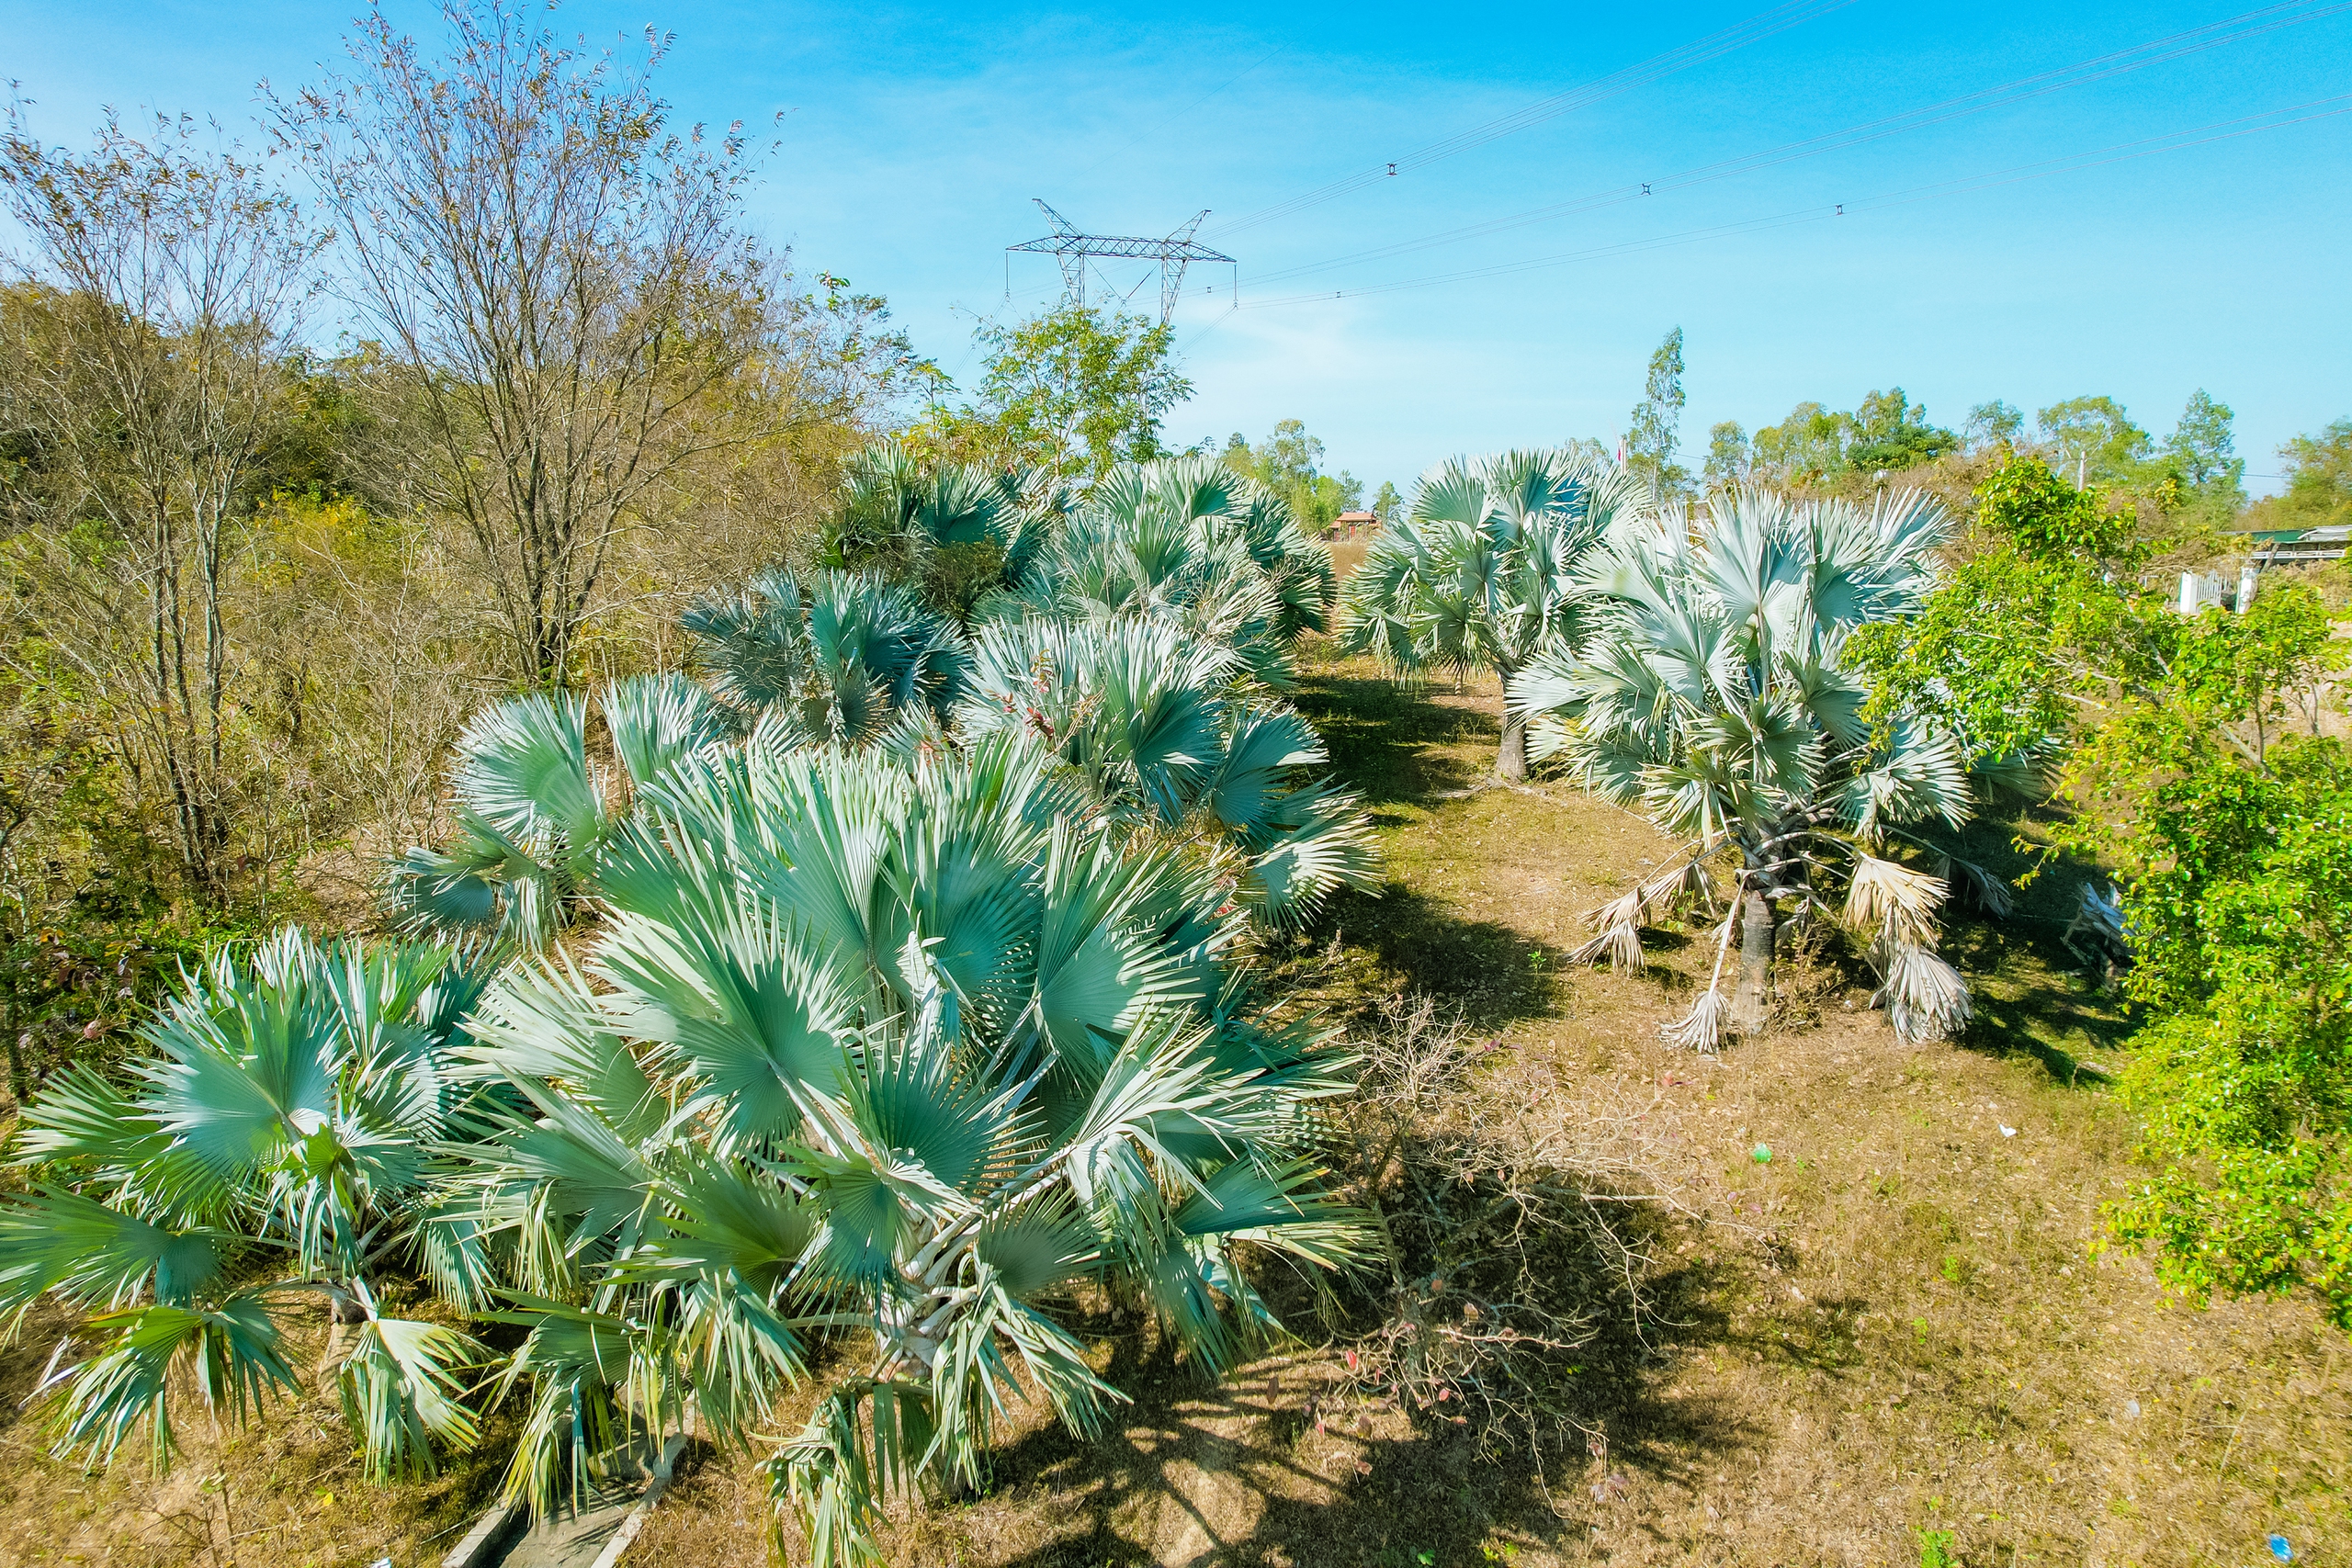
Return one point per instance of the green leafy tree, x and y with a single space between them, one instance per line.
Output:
2204 450
1727 458
1590 451
2319 482
2233 833
1817 444
1992 425
1289 463
1805 448
1890 434
1481 575
283 1144
1654 432
1073 390
2096 441
2042 617
1707 689
2196 781
1387 505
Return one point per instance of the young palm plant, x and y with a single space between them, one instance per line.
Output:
281 1144
1188 543
1708 691
837 658
889 1060
1164 736
1481 573
533 810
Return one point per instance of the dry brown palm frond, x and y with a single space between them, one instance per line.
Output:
1894 901
1617 924
1690 878
1700 1029
1925 998
1619 934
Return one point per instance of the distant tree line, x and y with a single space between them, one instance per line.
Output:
2192 479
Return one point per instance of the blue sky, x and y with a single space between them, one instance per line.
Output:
914 136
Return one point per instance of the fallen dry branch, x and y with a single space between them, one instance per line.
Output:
1519 1230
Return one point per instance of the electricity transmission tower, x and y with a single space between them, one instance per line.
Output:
1173 253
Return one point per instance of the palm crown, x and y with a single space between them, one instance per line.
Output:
833 657
1186 542
1481 575
1161 734
891 1053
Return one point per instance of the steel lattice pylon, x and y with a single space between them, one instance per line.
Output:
1175 252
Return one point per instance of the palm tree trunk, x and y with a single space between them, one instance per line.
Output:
1752 1001
1512 762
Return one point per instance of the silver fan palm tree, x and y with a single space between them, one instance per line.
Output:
1187 542
884 1060
1707 689
1153 730
284 1140
1481 573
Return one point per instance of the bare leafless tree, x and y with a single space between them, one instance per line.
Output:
162 277
561 275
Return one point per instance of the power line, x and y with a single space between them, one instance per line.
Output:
1715 46
2222 131
1140 138
2155 51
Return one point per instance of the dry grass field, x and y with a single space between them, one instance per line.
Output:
1899 1323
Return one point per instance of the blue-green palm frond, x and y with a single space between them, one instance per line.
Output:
1748 552
749 1019
1918 774
401 1386
523 768
233 1351
1097 971
1452 492
1287 1207
1314 840
95 1256
1259 754
655 720
543 1021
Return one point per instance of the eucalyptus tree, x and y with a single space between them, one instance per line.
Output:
283 1141
1709 690
870 1067
1161 734
533 809
1481 574
829 657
